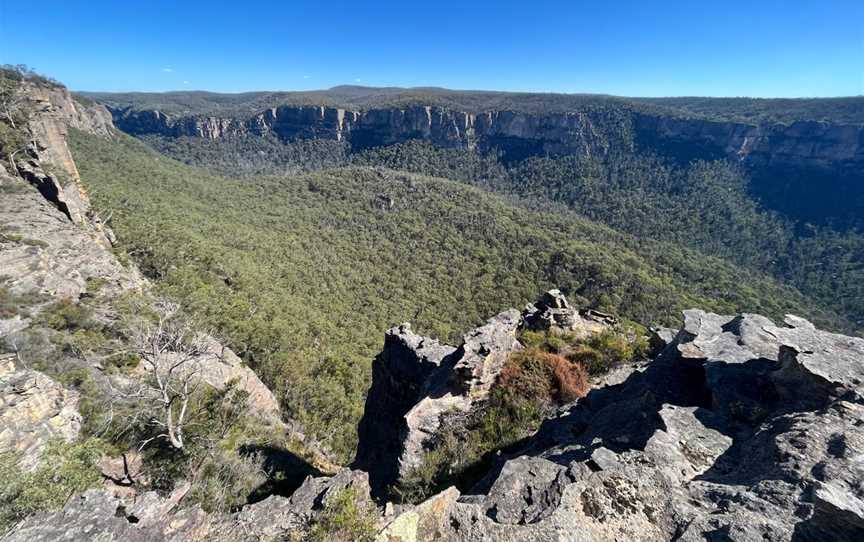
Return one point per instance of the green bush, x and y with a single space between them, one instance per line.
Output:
601 352
65 469
530 384
83 341
347 517
225 480
66 315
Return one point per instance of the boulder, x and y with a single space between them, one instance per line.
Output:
34 409
426 521
553 313
220 365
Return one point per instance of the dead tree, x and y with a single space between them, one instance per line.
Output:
15 113
171 353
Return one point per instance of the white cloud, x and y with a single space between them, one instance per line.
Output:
357 80
167 70
306 76
185 82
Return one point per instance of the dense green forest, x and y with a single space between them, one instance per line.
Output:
301 274
355 98
845 110
253 154
704 204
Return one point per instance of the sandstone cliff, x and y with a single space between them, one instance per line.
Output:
592 130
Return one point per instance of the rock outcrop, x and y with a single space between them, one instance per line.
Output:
100 515
34 409
41 250
50 166
740 429
220 366
419 384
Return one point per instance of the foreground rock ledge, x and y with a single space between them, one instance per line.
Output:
739 429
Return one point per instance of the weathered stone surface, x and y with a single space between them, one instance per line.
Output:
525 491
419 384
42 251
399 380
97 515
438 380
709 441
52 168
426 521
221 365
34 409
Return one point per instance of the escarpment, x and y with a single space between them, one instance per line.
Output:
738 426
521 134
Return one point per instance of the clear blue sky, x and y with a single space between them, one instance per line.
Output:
644 48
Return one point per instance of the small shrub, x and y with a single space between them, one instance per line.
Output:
67 316
123 361
36 349
225 481
94 284
600 353
84 341
346 517
531 382
440 464
542 377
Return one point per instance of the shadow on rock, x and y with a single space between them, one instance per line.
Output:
285 470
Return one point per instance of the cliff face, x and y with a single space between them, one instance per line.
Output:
737 426
800 143
816 144
810 171
51 167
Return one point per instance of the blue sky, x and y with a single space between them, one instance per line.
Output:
647 48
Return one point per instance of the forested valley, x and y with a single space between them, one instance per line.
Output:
301 254
705 204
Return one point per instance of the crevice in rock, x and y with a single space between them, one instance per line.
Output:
48 187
